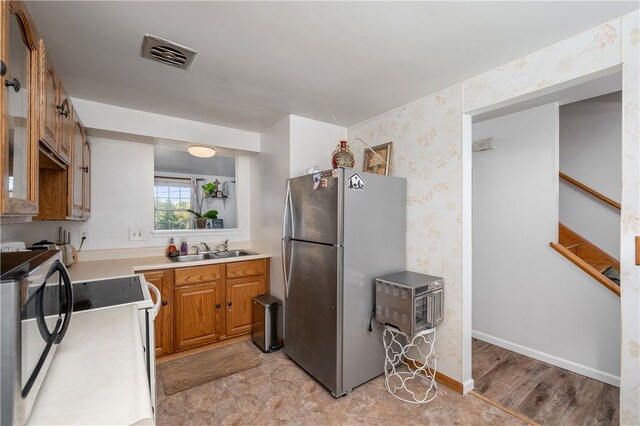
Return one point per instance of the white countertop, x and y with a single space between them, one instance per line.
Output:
98 374
94 269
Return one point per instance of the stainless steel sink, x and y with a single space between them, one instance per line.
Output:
189 258
231 253
212 255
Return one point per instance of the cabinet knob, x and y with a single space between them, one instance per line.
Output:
164 302
217 305
3 69
15 83
85 169
63 112
228 303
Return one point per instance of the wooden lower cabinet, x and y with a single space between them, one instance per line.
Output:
206 303
163 280
198 317
239 309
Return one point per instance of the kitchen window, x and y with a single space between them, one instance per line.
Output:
173 198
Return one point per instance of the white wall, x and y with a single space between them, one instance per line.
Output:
311 144
122 197
269 171
527 297
288 148
591 152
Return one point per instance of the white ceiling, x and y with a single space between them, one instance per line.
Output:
261 60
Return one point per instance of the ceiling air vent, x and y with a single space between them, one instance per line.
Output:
167 52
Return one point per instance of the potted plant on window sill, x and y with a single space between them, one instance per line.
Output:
201 218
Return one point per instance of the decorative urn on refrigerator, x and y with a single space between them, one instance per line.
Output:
341 230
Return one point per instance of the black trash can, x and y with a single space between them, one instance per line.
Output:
265 317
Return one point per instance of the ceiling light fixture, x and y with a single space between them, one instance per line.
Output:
201 151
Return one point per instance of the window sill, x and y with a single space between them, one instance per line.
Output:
164 233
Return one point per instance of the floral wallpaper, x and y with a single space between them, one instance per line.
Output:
591 51
427 151
630 273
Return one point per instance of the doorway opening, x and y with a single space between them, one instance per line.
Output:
546 335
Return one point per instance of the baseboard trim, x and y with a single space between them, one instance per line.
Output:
449 382
505 409
549 359
440 378
468 386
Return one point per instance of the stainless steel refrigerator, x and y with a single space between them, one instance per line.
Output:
342 229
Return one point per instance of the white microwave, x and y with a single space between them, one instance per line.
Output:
409 301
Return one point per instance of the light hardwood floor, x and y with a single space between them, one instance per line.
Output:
546 394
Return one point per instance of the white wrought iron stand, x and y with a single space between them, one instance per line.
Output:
410 365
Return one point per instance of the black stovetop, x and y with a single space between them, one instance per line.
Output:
109 292
97 294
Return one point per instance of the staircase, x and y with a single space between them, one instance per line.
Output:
598 264
587 257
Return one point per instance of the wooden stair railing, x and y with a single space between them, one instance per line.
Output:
590 191
587 256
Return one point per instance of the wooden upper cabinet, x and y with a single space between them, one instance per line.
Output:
18 100
65 125
86 178
76 174
49 92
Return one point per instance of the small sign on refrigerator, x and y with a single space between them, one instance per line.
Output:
355 182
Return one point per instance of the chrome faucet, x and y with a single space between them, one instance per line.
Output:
223 247
206 246
197 249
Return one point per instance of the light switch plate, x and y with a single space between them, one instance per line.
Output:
136 234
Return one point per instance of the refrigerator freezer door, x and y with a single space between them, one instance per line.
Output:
315 213
311 312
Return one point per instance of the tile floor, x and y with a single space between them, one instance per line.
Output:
280 392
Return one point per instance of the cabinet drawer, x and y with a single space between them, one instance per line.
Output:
198 274
244 269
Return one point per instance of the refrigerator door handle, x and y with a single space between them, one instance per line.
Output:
285 214
284 268
287 220
287 268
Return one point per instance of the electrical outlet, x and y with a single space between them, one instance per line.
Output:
136 234
83 234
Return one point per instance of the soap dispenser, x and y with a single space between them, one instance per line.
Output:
184 248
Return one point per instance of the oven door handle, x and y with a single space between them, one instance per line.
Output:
156 307
68 290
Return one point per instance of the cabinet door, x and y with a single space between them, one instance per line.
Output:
163 280
64 129
49 112
239 302
75 170
86 179
19 54
198 316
